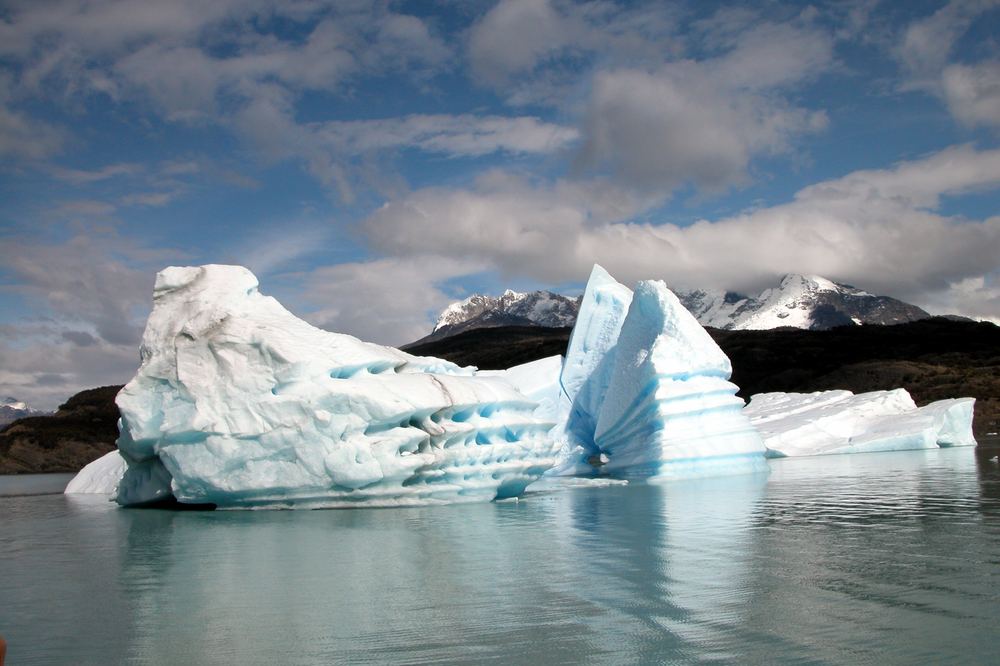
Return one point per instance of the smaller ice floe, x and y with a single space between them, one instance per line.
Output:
591 482
551 484
100 477
828 422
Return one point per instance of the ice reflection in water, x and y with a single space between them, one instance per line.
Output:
882 557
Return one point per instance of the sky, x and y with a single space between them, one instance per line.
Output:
373 161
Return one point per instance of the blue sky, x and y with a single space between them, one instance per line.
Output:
373 161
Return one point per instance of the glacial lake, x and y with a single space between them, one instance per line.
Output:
874 558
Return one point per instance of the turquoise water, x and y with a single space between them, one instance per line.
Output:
875 558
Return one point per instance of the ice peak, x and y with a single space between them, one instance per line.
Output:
541 308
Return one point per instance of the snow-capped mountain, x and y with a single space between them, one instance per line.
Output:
799 301
512 308
12 409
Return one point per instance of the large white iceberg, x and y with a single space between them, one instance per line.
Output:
239 403
825 422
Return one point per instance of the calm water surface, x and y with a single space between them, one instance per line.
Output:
876 558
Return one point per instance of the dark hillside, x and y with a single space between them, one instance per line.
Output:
84 429
496 348
933 359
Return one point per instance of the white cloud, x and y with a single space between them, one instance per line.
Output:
150 199
973 93
343 154
677 126
532 50
390 300
84 281
970 90
91 296
454 135
85 208
874 228
21 136
44 373
702 122
513 36
927 43
282 246
86 176
226 63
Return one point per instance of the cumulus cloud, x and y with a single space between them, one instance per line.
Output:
513 36
46 372
90 296
532 50
454 135
87 176
389 300
702 122
22 137
84 282
876 228
236 64
927 43
971 91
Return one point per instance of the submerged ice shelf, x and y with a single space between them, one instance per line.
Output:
238 403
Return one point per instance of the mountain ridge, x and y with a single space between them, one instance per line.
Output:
809 302
512 308
12 409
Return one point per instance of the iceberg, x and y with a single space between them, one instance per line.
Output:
238 403
541 381
100 477
829 422
649 389
669 408
586 372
